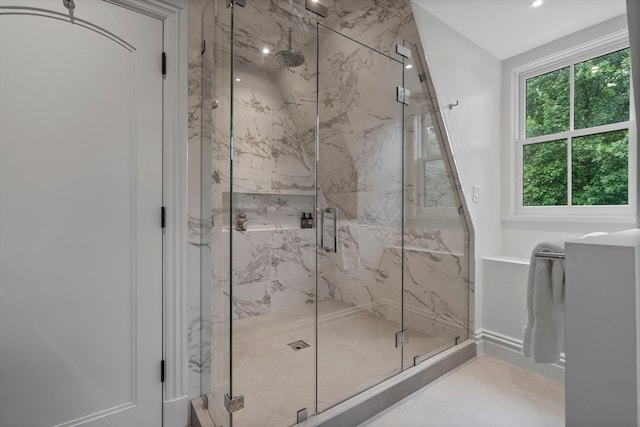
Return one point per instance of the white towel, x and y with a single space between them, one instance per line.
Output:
544 333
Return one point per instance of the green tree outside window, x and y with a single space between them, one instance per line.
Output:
599 161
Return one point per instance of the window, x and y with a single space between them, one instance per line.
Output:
437 191
431 181
575 136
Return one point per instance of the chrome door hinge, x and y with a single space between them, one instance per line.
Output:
403 51
163 217
317 8
162 371
301 415
205 401
402 95
233 404
401 338
164 63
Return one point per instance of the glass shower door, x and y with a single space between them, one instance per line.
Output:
272 185
360 200
334 244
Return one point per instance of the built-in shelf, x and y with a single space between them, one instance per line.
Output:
259 228
267 211
271 193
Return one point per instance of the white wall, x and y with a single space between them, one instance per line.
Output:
505 277
462 71
480 133
504 302
520 235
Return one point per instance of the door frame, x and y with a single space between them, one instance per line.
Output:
174 14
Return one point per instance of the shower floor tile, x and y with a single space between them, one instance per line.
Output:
356 350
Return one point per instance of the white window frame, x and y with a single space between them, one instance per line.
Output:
568 58
416 163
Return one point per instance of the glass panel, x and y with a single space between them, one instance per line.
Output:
602 90
544 174
273 253
284 313
438 191
599 170
215 118
360 174
435 261
429 142
547 103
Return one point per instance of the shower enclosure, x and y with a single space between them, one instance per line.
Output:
323 111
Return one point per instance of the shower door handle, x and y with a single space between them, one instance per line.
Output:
328 233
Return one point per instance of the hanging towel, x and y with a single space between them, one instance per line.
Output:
544 333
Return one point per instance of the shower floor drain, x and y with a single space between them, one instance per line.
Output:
298 345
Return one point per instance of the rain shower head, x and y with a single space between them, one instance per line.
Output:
290 58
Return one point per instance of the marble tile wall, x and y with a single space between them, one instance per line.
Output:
273 184
272 270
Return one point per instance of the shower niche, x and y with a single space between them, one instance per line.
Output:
302 114
267 211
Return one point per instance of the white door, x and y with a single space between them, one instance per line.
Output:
80 198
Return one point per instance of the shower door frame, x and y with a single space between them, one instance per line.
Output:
175 124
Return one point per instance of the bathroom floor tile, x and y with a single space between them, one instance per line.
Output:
484 392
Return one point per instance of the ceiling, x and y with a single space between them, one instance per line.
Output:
506 28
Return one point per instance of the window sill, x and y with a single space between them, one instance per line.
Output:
582 219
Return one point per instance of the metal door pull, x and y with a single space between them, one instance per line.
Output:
323 240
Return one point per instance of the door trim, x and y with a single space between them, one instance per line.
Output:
174 14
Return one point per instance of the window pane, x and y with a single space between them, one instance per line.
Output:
547 98
438 191
602 90
430 146
599 169
544 175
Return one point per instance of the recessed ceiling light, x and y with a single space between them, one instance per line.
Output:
237 79
315 1
537 3
409 66
265 50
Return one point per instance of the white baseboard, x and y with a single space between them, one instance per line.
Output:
509 349
176 412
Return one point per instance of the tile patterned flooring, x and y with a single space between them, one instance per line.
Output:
484 392
356 349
